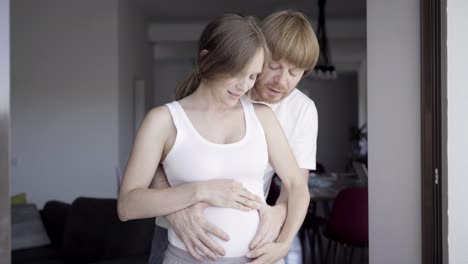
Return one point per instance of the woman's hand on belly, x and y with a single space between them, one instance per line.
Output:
228 194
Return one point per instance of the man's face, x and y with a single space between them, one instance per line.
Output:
277 81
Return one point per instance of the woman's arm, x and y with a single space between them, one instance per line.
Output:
284 163
135 199
272 217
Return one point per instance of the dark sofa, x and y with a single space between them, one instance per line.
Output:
89 231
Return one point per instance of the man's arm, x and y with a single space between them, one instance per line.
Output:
191 226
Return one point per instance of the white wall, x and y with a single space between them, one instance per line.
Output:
167 74
393 60
178 40
64 99
337 106
135 62
457 130
73 64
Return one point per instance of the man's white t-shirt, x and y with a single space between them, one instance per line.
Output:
297 115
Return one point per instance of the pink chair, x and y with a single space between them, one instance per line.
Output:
348 223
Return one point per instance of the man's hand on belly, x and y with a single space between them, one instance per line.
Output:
192 228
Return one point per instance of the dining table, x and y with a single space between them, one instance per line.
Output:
325 187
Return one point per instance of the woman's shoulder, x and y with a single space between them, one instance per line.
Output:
159 112
266 116
263 110
158 118
156 128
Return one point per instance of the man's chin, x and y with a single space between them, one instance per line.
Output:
272 98
268 96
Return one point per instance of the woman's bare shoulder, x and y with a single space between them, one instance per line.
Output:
158 119
264 112
159 112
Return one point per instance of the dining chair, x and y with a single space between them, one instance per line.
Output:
347 225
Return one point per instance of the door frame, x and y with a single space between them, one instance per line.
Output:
433 171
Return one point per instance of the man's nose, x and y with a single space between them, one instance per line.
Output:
281 78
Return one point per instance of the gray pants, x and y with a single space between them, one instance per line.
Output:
175 255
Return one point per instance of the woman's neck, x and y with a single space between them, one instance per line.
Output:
208 97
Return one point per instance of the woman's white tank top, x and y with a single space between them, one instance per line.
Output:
195 159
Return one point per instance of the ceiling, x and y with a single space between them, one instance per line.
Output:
202 10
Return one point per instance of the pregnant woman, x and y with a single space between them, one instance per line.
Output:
214 146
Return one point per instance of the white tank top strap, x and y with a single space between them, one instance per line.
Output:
177 115
251 116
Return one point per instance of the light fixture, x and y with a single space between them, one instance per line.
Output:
324 70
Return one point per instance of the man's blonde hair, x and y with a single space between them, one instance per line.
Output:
290 36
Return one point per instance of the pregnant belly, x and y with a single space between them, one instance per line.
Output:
241 227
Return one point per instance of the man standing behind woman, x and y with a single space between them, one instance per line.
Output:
214 146
294 50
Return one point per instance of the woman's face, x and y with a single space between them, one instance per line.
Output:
231 88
